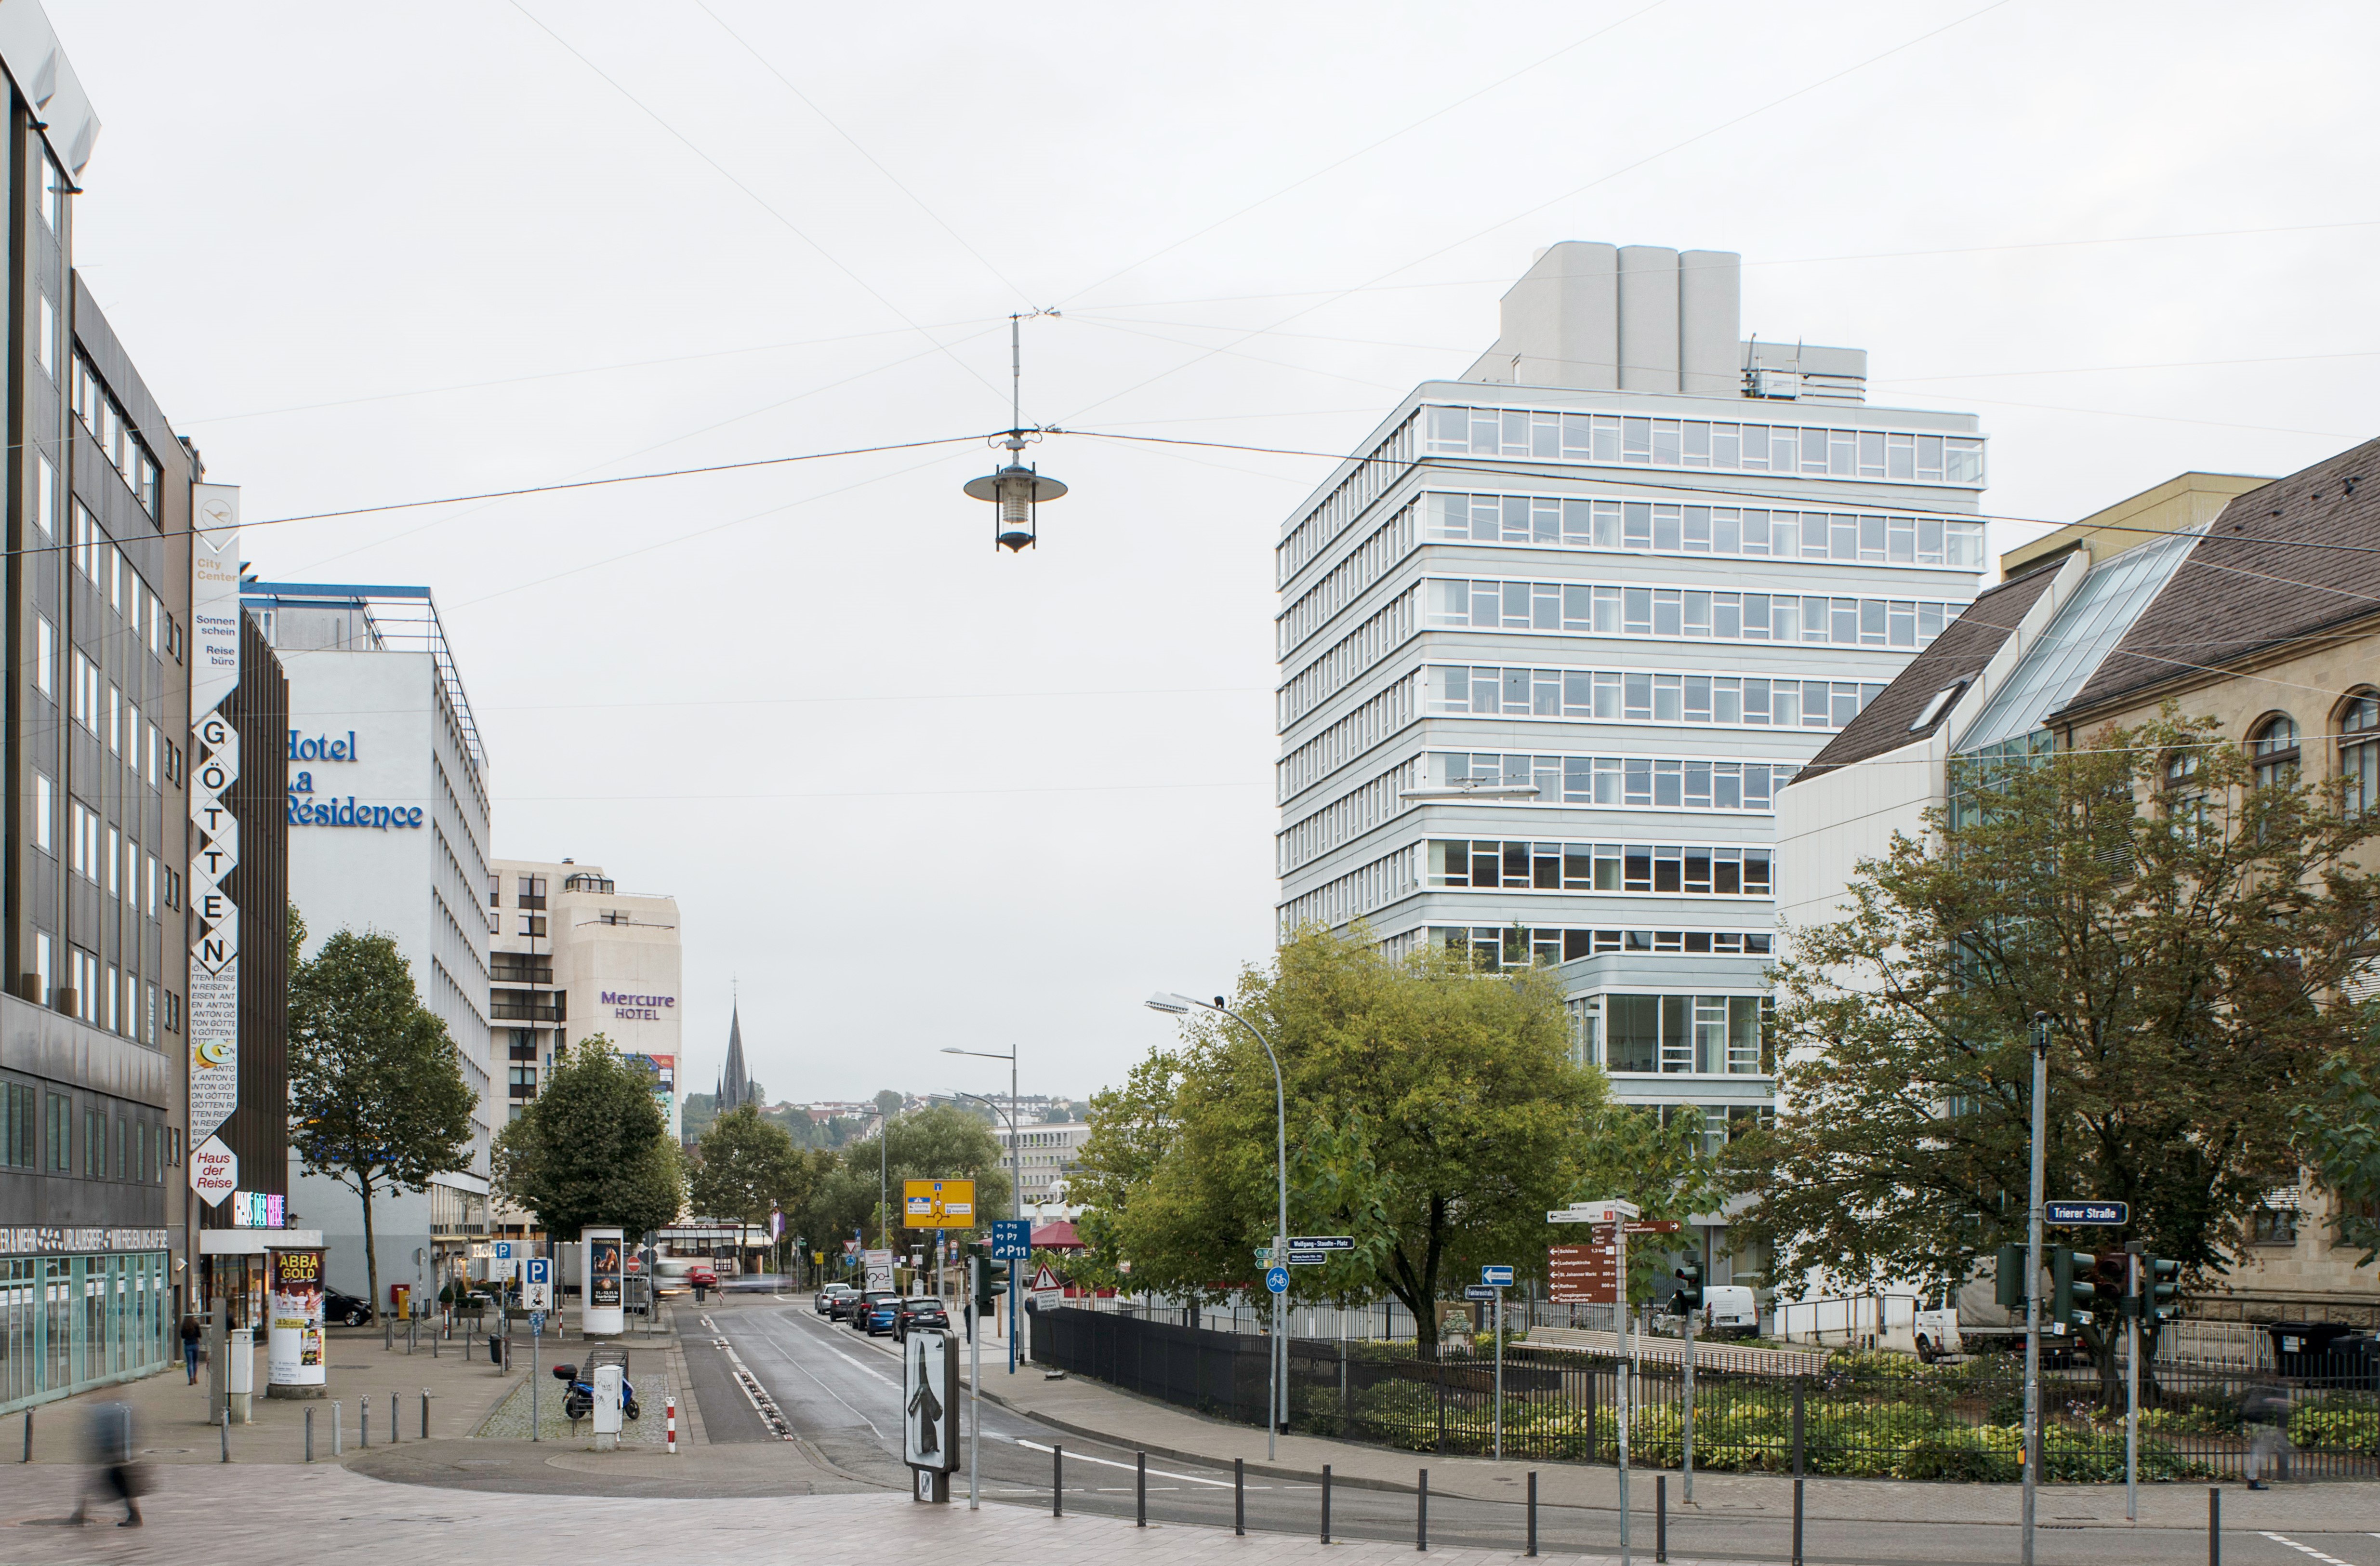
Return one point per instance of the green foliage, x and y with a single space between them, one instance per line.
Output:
593 1147
745 1166
377 1100
1434 1113
2340 1132
1666 1170
942 1142
2187 948
2339 1425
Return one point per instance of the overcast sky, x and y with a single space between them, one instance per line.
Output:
910 792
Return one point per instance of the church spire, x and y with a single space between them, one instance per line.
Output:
734 1082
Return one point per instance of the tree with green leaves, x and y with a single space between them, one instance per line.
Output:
2185 931
377 1100
593 1147
942 1142
2338 1127
745 1166
1435 1113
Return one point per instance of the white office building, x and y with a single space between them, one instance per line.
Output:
1045 1157
1551 646
574 956
388 834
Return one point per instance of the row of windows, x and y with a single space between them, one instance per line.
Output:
1373 721
100 413
1348 657
114 717
1330 517
1365 564
38 1131
1703 1034
1691 613
110 571
1354 894
1344 818
100 854
1661 869
1623 697
1665 529
1621 781
1519 946
2278 750
1634 440
120 1003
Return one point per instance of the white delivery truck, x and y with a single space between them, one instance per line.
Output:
1730 1311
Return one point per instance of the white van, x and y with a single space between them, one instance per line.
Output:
1729 1311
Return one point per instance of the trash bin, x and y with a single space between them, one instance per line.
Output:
2304 1348
495 1348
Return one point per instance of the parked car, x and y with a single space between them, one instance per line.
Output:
345 1310
874 1313
925 1311
1729 1311
825 1300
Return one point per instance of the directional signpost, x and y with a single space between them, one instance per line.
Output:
1480 1291
536 1297
1616 1221
1011 1239
2114 1213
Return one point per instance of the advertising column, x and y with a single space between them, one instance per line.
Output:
601 1312
293 1346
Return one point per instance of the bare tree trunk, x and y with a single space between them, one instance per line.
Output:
371 1255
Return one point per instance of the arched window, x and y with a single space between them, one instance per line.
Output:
2185 800
2359 752
2275 747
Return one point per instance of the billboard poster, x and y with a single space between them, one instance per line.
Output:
879 1270
603 1272
929 1403
293 1345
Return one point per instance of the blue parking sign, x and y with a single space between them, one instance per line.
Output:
1011 1239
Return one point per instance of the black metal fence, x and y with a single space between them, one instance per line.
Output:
1868 1415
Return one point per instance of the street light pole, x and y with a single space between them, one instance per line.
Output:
1015 1175
1275 1397
2033 1285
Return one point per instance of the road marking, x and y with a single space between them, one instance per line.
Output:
828 1390
756 1395
848 1360
2308 1549
1110 1462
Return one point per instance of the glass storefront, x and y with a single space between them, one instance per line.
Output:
68 1322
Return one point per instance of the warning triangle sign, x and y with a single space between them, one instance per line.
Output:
1045 1278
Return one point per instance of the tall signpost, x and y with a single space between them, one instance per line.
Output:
213 1030
537 1298
1011 1241
1610 1218
2032 1286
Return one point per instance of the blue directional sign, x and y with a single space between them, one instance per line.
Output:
2086 1212
537 1324
1011 1239
1478 1291
1496 1277
1277 1280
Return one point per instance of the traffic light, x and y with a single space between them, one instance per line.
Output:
2008 1285
2164 1291
991 1278
2069 1296
1689 1297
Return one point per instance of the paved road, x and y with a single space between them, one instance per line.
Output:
838 1392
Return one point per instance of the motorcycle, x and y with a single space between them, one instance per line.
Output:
578 1397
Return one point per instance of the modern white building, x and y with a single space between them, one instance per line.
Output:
388 834
574 956
1046 1157
1551 646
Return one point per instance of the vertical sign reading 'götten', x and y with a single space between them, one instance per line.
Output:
215 751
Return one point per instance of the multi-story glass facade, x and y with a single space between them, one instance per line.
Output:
1551 646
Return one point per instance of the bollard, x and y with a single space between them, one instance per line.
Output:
1421 1512
227 1440
394 1434
669 1407
425 1414
1057 1481
1533 1511
1140 1489
387 1335
1325 1503
309 1435
1797 1523
28 1436
2214 1525
338 1434
1660 1517
363 1405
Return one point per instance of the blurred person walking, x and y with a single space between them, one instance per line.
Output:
191 1334
108 1439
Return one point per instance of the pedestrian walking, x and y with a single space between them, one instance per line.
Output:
190 1333
109 1437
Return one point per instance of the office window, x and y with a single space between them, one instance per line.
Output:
123 1147
156 744
95 1144
113 858
85 846
46 352
83 972
45 657
52 201
107 1017
45 810
46 495
149 1018
495 889
61 1132
21 1130
174 1025
532 924
150 865
41 963
532 891
114 721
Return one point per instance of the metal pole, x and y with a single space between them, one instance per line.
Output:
2032 1288
309 1435
1240 1495
1140 1489
1625 1374
1797 1523
363 1418
532 1385
1660 1517
1325 1503
1421 1513
1500 1375
975 1388
2132 1387
1057 1481
2214 1525
1533 1511
1688 1497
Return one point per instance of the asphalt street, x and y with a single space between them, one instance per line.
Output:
766 1368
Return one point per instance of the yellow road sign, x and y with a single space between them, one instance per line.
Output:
937 1204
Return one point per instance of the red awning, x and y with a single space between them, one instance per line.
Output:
1056 1236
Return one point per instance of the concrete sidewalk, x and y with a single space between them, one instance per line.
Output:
1101 1413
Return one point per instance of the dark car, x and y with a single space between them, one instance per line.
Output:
922 1312
345 1310
828 1297
874 1313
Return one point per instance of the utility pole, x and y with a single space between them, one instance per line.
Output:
2032 1286
2132 1308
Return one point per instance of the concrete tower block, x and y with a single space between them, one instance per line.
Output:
1710 312
1649 318
1561 320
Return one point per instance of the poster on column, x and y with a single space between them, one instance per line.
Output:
212 1019
293 1348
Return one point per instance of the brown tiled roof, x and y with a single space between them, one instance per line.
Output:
1959 654
2250 582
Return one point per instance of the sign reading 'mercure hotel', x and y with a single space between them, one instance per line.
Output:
640 1008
